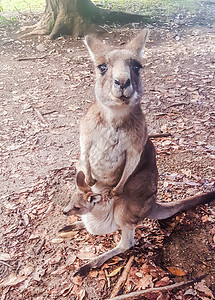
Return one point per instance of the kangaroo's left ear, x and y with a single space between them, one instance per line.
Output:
137 44
94 198
80 180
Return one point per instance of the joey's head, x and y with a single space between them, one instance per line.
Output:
118 81
83 200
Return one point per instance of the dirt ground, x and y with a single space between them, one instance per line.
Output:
45 88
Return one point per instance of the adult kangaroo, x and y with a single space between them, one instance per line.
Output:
117 173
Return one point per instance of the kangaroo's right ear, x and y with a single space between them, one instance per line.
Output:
95 47
80 180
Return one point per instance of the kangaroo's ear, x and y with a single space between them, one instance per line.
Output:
95 47
94 198
80 180
137 44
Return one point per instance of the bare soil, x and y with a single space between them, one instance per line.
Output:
45 88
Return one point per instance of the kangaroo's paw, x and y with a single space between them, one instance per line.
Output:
83 271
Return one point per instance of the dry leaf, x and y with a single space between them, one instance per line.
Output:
177 271
68 234
93 274
202 288
114 272
145 282
4 256
12 280
81 294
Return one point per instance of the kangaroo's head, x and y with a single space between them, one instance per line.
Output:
118 80
83 200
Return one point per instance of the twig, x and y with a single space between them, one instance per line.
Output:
107 277
39 115
6 264
31 58
136 295
158 135
176 104
123 278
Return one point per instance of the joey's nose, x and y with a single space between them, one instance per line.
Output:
122 83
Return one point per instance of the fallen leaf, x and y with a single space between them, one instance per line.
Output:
81 294
93 274
5 256
177 271
163 282
202 288
114 272
68 234
12 280
145 282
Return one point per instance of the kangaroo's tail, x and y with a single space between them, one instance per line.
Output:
165 210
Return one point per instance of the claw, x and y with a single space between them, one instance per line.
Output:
67 228
83 271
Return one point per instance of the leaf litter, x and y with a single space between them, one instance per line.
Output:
39 149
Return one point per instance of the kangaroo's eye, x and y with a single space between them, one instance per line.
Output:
136 67
102 68
77 208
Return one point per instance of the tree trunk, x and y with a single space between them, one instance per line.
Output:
76 17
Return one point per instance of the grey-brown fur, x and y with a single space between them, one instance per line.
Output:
117 158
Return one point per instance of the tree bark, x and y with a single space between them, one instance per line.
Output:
76 18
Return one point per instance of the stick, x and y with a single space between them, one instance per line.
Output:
123 278
107 277
158 135
6 264
176 104
39 115
135 295
31 58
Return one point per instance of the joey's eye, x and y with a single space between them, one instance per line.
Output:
90 198
102 68
136 67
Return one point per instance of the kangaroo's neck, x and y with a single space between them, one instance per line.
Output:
120 115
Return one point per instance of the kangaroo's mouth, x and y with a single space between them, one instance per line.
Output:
124 99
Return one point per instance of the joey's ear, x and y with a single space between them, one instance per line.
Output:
80 180
95 198
137 44
95 47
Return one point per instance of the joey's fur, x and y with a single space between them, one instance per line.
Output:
117 173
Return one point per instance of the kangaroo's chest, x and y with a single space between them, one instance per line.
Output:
108 153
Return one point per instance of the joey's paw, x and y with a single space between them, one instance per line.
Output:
67 228
83 271
67 231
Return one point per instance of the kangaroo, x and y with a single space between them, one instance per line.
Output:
117 173
125 211
113 132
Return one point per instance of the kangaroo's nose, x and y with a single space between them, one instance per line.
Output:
122 83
